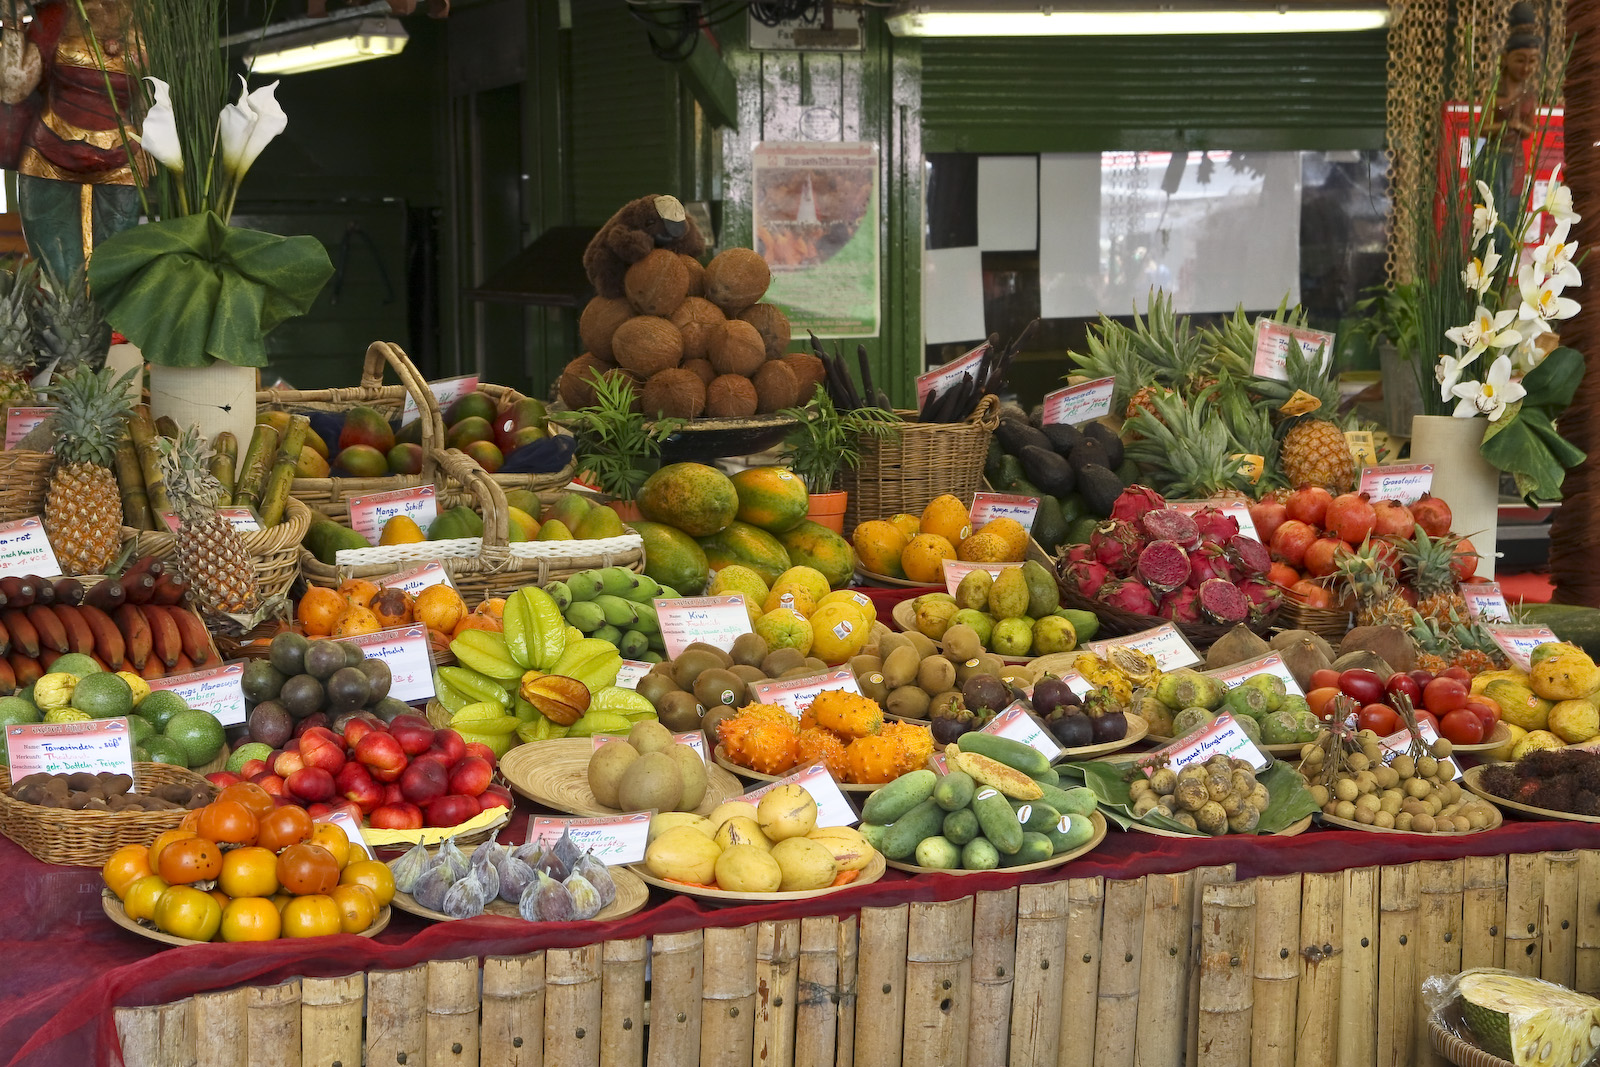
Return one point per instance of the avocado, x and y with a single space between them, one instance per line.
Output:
991 462
1099 488
1008 474
1015 435
1108 440
1047 470
1088 452
1063 438
1049 525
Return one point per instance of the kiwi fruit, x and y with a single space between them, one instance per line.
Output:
719 686
802 671
908 701
679 712
900 667
747 674
723 658
692 662
888 642
780 660
864 664
922 643
661 667
961 643
936 674
816 664
872 687
709 722
655 686
749 650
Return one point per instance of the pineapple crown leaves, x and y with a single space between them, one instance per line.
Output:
90 407
1187 443
19 298
1363 573
1428 561
1159 348
70 327
190 484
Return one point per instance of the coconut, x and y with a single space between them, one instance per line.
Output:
773 326
808 371
730 396
736 348
1238 645
600 319
1391 643
736 279
577 386
645 345
696 272
657 284
702 368
776 387
697 319
673 393
616 374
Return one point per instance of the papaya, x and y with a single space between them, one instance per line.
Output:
744 545
672 558
813 545
365 425
697 499
459 521
771 498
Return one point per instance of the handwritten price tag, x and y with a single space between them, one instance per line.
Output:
1485 601
417 579
695 739
215 689
1397 743
716 620
368 514
954 571
446 391
20 422
832 808
410 661
1405 482
943 377
1240 513
1272 347
1079 403
1164 643
988 506
630 673
1271 663
613 839
796 694
24 549
97 746
1223 736
1018 724
1518 642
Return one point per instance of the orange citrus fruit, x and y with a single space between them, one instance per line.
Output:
924 558
947 517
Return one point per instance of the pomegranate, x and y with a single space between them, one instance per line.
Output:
1311 594
1323 554
1392 519
1308 504
1267 514
1290 541
1282 575
1350 518
1433 515
1465 561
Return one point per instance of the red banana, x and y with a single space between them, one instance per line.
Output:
109 643
135 633
79 637
23 634
52 632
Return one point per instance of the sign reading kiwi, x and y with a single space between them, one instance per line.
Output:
796 694
711 620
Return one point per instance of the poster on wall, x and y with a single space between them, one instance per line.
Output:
1544 152
815 219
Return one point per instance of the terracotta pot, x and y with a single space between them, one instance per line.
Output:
626 510
827 509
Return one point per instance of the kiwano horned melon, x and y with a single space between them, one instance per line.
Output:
773 498
746 546
672 558
697 499
811 544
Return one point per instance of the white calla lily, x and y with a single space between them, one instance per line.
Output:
1542 300
1489 397
1484 218
1486 330
159 134
1553 257
234 125
1479 273
270 121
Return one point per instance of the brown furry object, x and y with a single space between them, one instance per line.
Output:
650 222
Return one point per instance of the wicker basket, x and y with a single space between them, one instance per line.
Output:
926 460
1457 1051
88 838
24 478
1332 623
274 551
1116 622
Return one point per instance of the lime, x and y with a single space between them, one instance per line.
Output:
14 711
139 729
76 663
158 749
245 753
160 706
103 696
199 733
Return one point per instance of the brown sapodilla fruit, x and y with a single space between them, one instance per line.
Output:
736 348
697 274
673 393
646 344
772 324
697 319
657 284
808 372
702 368
730 396
600 319
576 387
737 278
776 387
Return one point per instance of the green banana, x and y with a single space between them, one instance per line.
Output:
609 634
633 645
474 686
514 626
548 634
587 616
485 652
646 622
614 698
585 585
558 592
619 612
452 698
645 589
618 581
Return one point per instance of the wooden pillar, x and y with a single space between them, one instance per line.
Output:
622 1011
938 982
676 975
1321 968
513 1011
1116 1022
1043 917
777 982
1164 971
452 1026
1358 974
1483 912
818 992
996 929
1524 905
728 998
330 1020
1277 971
1227 929
1558 918
880 984
572 1007
158 1036
1439 938
1080 986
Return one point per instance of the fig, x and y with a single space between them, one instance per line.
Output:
545 900
487 875
566 850
455 864
528 852
409 869
491 851
586 903
430 889
464 900
597 875
515 877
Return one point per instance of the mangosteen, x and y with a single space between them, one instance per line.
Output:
1048 694
1073 731
378 675
1112 726
348 689
947 729
302 695
325 657
985 691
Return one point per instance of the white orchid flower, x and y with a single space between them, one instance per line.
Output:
159 136
1486 330
1491 396
1558 200
1479 273
249 126
1484 218
1448 372
1553 257
1527 355
1542 300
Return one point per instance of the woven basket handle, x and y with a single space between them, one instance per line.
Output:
987 413
387 353
491 498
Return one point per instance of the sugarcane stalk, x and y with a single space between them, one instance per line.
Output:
167 426
275 496
224 462
130 481
257 463
143 432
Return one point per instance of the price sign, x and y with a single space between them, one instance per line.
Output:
20 422
1238 512
716 620
988 506
410 660
97 746
417 579
1076 682
1405 482
1222 736
832 808
629 674
1164 643
24 549
612 839
446 391
954 571
351 827
1272 347
1079 403
1397 743
695 739
242 519
215 689
943 377
1518 642
1018 724
1271 663
1485 601
368 514
796 694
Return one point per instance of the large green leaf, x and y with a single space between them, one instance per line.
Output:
1291 800
1554 381
1524 441
192 290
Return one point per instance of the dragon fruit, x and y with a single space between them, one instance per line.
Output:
1264 597
1170 524
1249 556
1221 601
1087 577
1116 545
1215 525
1135 501
1180 605
1163 566
1208 561
1079 554
1127 595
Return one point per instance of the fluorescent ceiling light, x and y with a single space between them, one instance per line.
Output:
1000 18
332 45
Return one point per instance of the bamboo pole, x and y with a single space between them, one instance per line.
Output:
880 985
1399 901
676 974
1080 984
572 1006
1164 971
622 1003
1586 945
272 1025
1203 877
1227 927
997 929
938 982
1483 912
1358 971
330 1020
1276 985
816 999
849 996
1558 918
1043 914
1116 1022
728 998
452 1023
157 1036
1438 938
1321 965
513 1011
777 985
219 1027
1524 897
396 1004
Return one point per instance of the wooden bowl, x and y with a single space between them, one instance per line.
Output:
556 775
869 874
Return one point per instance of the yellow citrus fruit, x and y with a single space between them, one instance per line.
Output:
878 545
924 558
947 517
140 687
785 628
984 548
838 631
861 600
908 525
810 579
793 596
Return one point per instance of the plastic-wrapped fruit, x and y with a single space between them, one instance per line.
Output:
515 876
546 900
408 870
430 889
599 876
586 902
464 900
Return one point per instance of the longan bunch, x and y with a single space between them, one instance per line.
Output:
1409 792
1217 797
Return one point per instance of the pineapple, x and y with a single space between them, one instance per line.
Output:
18 346
1369 583
72 331
1427 564
1186 446
1159 351
211 555
83 506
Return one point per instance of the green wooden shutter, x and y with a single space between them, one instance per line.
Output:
1256 91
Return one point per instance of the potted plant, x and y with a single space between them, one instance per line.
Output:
616 448
826 441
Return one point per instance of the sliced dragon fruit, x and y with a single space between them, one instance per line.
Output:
1264 597
1180 605
1170 524
1134 501
1209 561
1116 545
1163 566
1249 555
1215 525
1221 601
1078 554
1127 595
1087 576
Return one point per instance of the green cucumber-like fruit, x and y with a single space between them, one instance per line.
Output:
954 791
1071 831
873 833
1013 754
979 854
1079 800
1035 815
888 804
907 832
938 853
960 826
1036 848
1049 777
999 822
